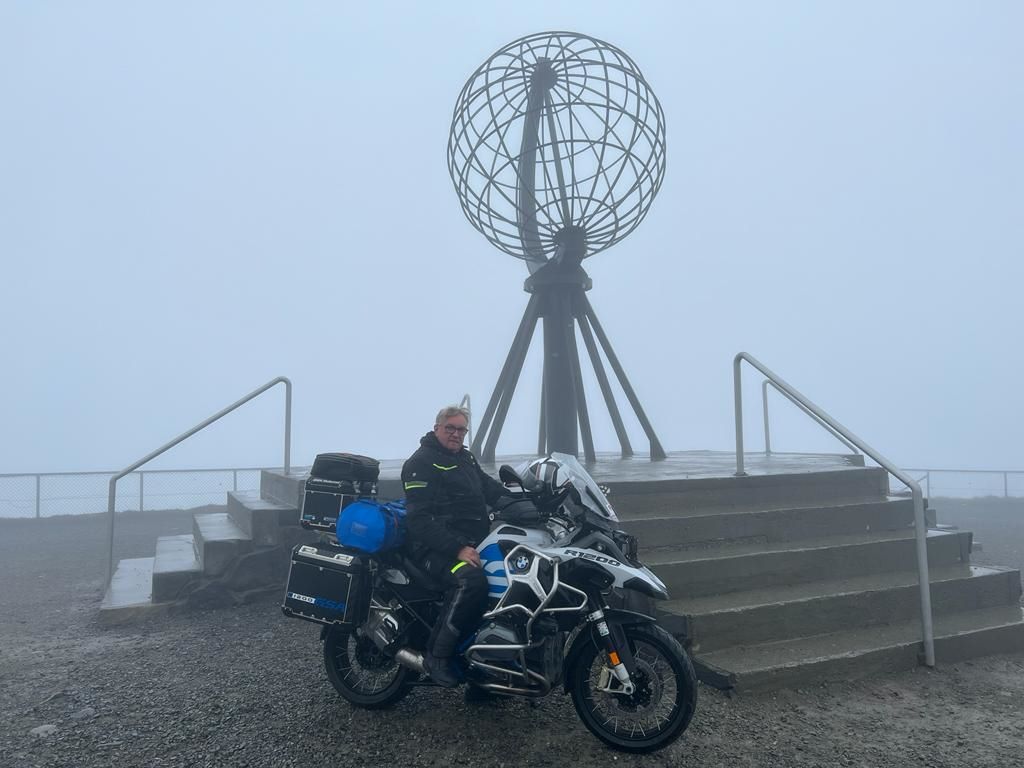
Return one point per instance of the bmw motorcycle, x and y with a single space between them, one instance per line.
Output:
557 567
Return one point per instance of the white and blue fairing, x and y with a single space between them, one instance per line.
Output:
493 559
556 471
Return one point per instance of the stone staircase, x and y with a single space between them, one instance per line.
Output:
228 557
780 579
788 579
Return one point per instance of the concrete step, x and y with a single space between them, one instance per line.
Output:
647 498
175 566
260 519
218 541
129 595
719 621
867 651
680 496
720 569
771 525
281 488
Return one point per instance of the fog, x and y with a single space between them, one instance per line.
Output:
196 198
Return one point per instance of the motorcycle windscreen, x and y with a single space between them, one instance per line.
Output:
591 496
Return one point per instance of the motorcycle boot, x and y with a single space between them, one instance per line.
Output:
441 670
464 603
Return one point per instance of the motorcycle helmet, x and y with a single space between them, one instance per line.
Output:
547 474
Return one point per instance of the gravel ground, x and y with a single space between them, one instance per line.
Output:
246 686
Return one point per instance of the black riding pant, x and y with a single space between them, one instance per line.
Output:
465 598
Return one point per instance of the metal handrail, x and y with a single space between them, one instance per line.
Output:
255 393
920 526
802 407
90 472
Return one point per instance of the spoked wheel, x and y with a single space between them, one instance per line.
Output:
360 672
658 710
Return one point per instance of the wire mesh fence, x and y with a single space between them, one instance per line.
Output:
970 483
79 493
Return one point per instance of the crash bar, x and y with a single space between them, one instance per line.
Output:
920 526
802 407
255 393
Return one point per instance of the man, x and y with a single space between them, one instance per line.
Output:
446 517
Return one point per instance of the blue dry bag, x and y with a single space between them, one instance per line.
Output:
372 526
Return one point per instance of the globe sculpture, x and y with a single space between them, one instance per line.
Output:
556 151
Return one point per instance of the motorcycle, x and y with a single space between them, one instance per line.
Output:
556 565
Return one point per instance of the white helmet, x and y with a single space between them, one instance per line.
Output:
546 472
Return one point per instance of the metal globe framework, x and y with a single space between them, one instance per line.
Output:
556 132
556 151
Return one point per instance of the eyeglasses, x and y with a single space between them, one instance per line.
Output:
451 429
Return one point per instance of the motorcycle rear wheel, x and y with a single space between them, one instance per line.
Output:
661 707
360 672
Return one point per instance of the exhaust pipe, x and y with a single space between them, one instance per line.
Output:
411 659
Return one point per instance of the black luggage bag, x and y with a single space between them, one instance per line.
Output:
335 481
345 466
328 585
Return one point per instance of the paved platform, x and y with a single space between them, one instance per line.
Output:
681 465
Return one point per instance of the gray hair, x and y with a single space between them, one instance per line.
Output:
449 411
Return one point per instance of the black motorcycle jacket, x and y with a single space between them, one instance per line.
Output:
446 498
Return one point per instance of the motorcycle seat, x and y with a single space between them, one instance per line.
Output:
419 576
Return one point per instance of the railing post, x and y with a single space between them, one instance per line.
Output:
737 393
234 479
1006 485
924 585
465 403
38 496
928 482
764 409
112 494
287 425
142 492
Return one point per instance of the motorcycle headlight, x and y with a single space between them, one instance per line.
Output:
628 544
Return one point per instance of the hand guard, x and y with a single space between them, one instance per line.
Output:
512 509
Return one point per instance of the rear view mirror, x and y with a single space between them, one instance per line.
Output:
508 476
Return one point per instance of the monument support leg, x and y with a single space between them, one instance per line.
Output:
520 347
559 393
606 389
581 395
657 452
542 436
529 321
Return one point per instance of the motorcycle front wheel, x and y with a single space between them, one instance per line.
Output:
360 672
658 710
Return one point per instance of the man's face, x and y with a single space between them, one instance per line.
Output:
452 432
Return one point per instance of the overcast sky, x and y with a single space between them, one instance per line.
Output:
197 197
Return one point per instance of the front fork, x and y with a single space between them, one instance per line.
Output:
615 676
